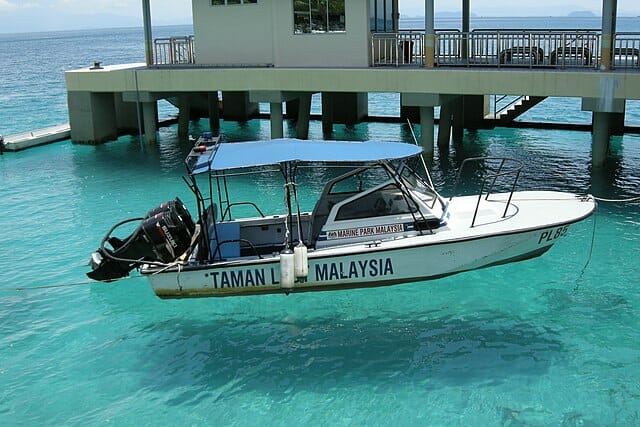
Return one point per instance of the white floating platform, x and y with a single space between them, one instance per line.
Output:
48 135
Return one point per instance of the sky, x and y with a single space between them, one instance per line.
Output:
45 15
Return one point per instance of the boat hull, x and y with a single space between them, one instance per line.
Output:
475 238
372 265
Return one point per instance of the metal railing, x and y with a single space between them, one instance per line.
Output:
401 48
626 51
174 51
558 48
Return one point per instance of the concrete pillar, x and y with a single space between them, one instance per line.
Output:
430 35
327 113
458 121
148 36
427 131
293 106
184 115
475 108
605 111
609 11
92 117
348 108
149 114
616 125
601 136
126 115
214 111
277 124
444 127
304 114
236 105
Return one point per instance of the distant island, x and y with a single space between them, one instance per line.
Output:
458 14
582 14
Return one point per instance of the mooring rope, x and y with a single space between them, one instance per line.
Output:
593 233
631 199
586 264
63 285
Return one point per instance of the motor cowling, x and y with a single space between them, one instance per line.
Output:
164 234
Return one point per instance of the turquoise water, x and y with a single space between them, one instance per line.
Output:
533 343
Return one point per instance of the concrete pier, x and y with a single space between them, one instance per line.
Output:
427 131
277 122
444 126
601 138
214 112
150 119
304 115
606 111
184 116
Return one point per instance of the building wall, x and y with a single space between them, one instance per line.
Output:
262 33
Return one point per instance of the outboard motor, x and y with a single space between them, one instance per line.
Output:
164 234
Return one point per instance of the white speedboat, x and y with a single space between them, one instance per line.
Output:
378 223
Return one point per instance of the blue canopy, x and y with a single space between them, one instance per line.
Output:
239 155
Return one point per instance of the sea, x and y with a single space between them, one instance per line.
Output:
550 341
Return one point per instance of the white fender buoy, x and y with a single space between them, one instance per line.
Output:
301 260
287 273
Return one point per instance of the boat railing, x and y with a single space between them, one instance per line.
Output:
227 211
495 169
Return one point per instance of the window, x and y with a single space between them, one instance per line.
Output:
228 2
318 16
388 200
382 15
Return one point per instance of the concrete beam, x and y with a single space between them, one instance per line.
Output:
145 96
603 105
425 99
272 96
463 81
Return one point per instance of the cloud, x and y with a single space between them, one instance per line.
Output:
6 5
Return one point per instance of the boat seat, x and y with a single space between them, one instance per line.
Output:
224 237
224 240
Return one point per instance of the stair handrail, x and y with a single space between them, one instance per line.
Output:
498 112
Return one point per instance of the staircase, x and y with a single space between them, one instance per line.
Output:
507 109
